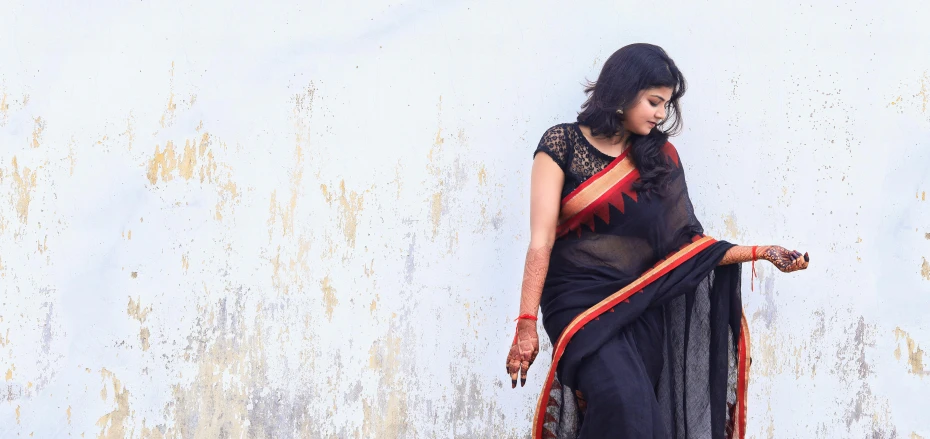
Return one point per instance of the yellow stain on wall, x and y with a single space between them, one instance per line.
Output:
329 297
167 118
4 110
137 312
350 207
228 193
167 163
112 424
188 161
915 355
230 373
144 338
386 417
326 194
9 372
17 415
130 131
439 140
23 184
37 132
924 93
436 211
286 212
482 175
185 263
729 222
162 163
68 413
925 269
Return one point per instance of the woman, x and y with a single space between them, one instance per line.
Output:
643 309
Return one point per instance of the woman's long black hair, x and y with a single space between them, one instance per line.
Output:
627 72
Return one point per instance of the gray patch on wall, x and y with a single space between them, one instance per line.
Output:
409 267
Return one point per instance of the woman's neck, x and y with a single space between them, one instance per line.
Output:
613 145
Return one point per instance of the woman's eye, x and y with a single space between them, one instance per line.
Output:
654 104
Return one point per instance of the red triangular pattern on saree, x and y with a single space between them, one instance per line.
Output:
613 197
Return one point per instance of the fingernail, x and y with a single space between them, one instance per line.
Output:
807 258
522 382
513 384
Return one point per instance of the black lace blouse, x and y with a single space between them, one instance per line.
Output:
577 157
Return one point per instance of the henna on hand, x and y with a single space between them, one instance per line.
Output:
534 276
523 351
736 255
785 260
525 344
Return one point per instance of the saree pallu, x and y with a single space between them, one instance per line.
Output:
621 259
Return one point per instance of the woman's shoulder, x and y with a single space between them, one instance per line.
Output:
669 150
558 142
560 131
562 136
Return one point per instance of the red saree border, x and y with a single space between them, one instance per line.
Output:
659 270
742 380
582 203
623 155
585 197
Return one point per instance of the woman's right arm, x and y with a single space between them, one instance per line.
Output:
545 197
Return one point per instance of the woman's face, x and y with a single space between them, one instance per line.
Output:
647 111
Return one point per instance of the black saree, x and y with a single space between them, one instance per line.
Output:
638 309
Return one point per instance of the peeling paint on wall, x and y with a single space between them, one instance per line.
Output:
329 297
24 183
915 355
112 424
164 164
37 132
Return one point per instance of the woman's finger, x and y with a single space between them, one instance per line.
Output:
796 264
524 367
513 367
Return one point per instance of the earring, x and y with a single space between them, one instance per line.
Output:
620 112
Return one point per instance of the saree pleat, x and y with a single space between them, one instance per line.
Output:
635 301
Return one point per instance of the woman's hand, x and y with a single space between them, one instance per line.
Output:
784 259
523 351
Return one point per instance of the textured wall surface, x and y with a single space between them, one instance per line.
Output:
309 219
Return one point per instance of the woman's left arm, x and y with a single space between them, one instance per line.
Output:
783 259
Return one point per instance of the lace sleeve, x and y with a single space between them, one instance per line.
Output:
554 142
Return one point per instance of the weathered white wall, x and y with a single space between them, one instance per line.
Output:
309 219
